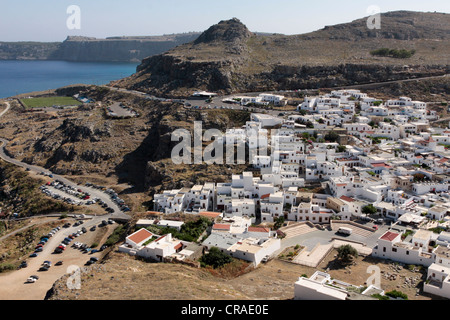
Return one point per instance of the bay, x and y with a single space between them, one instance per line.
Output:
17 77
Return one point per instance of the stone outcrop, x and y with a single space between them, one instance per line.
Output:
228 58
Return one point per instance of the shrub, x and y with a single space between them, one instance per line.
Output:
397 294
215 258
115 236
380 297
393 53
190 231
6 267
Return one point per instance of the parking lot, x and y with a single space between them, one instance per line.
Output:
119 110
14 285
59 190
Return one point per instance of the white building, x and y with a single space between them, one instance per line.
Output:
438 281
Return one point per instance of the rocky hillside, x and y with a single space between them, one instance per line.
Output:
19 192
85 144
93 49
229 58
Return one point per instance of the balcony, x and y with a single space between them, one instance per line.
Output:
433 283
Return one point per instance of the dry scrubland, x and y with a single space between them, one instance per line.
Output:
124 277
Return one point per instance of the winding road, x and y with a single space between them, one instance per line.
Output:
116 215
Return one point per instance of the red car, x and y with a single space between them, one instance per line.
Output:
375 227
62 248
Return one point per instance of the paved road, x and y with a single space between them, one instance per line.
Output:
365 85
92 191
118 214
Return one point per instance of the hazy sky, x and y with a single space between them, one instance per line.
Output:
45 20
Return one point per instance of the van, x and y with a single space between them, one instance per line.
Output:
346 231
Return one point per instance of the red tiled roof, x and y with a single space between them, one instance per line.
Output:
210 214
341 184
162 237
258 229
140 235
389 236
376 165
265 196
222 226
154 213
178 246
348 199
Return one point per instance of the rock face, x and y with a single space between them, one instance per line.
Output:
97 50
228 58
228 31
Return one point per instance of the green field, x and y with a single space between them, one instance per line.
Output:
49 102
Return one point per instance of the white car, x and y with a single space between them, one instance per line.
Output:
31 280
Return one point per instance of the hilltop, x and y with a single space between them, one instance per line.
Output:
229 58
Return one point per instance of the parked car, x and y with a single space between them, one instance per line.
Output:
59 263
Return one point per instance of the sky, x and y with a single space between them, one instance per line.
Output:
47 20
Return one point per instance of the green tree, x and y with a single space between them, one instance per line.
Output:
346 253
369 209
278 223
331 136
215 258
341 148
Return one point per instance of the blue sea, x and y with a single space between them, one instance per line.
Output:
18 77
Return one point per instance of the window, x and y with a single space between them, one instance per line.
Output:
394 249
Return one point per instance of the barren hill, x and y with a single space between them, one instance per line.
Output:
229 58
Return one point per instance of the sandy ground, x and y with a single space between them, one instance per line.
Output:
13 284
123 277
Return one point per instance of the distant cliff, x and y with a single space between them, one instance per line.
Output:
91 49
